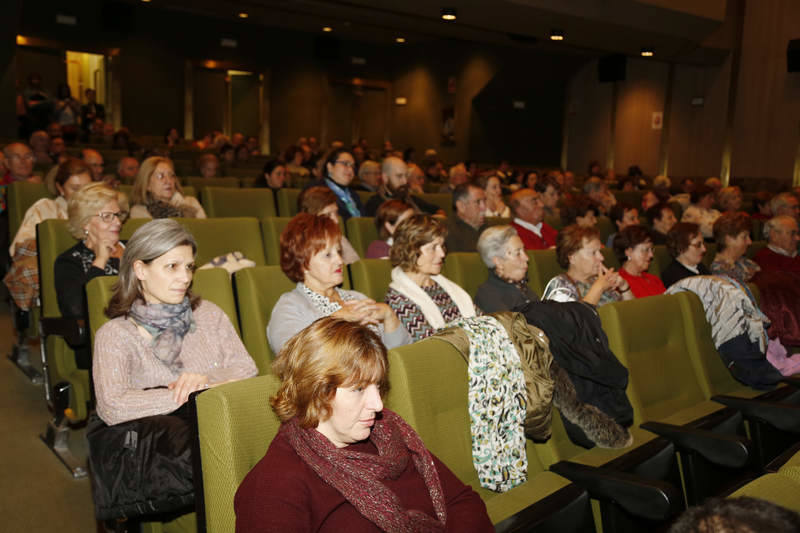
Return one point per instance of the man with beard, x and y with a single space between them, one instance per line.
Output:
394 186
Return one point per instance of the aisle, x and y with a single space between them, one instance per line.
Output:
38 493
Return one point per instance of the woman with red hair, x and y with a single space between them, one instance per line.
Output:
311 256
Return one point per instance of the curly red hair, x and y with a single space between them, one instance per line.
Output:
304 236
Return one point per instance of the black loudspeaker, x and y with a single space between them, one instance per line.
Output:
611 68
793 56
326 48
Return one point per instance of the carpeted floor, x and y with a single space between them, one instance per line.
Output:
37 493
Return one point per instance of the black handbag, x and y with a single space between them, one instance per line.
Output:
142 467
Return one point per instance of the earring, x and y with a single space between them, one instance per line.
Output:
85 232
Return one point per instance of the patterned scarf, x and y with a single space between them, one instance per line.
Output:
327 307
344 194
521 284
159 209
359 476
168 324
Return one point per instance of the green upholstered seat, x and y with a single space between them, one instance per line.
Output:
776 488
242 172
661 260
361 231
428 388
554 221
257 291
235 202
542 267
21 195
711 251
186 190
287 202
605 227
235 426
443 200
755 247
219 236
467 269
198 182
498 221
271 228
791 468
371 277
610 258
364 196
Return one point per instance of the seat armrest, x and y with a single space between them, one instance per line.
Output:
647 498
726 450
72 329
783 416
777 463
793 381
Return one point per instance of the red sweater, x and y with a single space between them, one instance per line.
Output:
533 241
770 261
283 494
644 285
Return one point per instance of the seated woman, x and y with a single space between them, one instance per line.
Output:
550 193
587 279
337 174
321 200
157 193
423 299
340 461
581 211
311 257
389 215
686 246
22 278
163 342
732 233
503 252
729 199
701 212
633 247
495 207
272 176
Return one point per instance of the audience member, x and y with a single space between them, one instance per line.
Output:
714 184
464 228
761 209
171 137
323 472
597 191
737 515
127 168
389 215
634 250
242 154
701 212
661 218
581 211
95 162
456 176
338 174
57 150
208 165
157 193
495 207
586 278
416 179
780 254
785 203
686 245
729 199
369 177
732 234
40 143
649 199
623 216
549 192
320 200
311 257
422 298
91 111
273 176
19 165
531 178
504 254
394 186
535 233
227 155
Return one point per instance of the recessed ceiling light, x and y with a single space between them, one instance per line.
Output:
648 52
243 15
400 40
556 35
327 29
448 13
146 1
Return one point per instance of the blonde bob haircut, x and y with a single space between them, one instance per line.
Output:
139 193
328 354
87 202
410 236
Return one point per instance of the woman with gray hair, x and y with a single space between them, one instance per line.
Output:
163 342
507 286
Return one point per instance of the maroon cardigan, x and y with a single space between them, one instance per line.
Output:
533 241
282 493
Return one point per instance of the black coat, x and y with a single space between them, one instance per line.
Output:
496 295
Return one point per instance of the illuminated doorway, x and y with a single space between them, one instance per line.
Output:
87 71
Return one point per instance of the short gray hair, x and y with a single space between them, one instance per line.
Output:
773 223
594 185
492 242
780 200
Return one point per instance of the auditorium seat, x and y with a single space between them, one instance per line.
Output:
466 269
371 277
606 227
443 200
198 182
220 236
776 488
287 202
554 221
230 202
187 190
361 231
21 195
542 267
271 228
364 196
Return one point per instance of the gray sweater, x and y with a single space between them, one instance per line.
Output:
294 312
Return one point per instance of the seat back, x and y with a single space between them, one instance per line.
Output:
257 290
371 277
542 267
364 196
186 190
199 182
287 202
755 247
661 260
711 252
647 336
441 199
467 269
605 227
361 231
554 222
21 195
235 429
219 236
230 202
610 258
271 228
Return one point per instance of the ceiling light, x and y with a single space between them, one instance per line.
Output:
400 40
243 15
556 35
327 29
648 52
146 1
448 13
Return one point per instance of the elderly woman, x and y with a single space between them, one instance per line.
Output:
732 233
338 174
340 461
633 247
503 252
687 247
423 299
389 215
701 212
495 207
23 276
587 279
163 342
311 256
321 200
96 215
157 194
729 199
581 211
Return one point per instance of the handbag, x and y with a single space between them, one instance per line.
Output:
141 467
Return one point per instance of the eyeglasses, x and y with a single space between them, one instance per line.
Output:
108 216
24 157
348 164
162 175
697 245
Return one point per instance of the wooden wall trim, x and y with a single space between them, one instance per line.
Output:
730 115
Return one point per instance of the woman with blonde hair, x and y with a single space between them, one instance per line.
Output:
157 192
